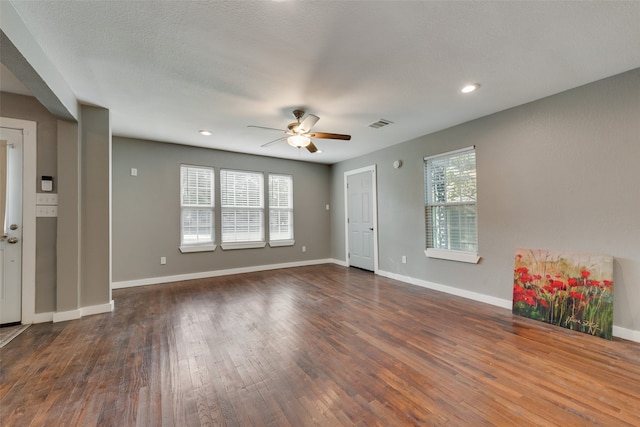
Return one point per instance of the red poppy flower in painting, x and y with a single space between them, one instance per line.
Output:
577 295
607 282
585 273
544 303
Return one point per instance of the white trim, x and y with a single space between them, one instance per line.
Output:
43 317
279 243
29 153
63 316
197 248
216 273
449 290
627 334
460 256
242 245
448 153
374 200
339 262
97 309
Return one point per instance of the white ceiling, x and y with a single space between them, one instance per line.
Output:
167 69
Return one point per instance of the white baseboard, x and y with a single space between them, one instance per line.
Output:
97 309
449 290
216 273
43 317
339 262
627 334
63 316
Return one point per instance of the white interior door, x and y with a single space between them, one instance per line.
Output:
11 148
360 220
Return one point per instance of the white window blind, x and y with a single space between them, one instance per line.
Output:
197 204
450 208
242 206
280 208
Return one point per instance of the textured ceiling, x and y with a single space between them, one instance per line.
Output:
167 69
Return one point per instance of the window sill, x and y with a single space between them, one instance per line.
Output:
242 245
197 248
468 257
278 243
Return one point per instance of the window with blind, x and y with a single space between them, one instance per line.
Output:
450 208
242 209
281 210
197 209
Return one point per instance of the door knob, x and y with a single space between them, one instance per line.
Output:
13 227
12 240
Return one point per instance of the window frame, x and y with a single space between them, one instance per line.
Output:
450 254
205 246
272 209
244 244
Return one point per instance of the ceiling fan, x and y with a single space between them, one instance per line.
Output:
298 133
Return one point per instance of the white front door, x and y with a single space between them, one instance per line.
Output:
11 224
360 221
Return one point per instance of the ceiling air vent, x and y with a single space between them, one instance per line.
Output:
380 123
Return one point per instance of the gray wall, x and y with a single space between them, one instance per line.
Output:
559 173
28 108
95 202
146 210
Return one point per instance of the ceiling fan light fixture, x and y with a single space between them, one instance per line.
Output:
298 141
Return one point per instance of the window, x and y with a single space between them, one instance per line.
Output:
450 208
280 210
196 205
242 204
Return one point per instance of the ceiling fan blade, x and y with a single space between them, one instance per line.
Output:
274 141
330 136
262 127
312 148
308 122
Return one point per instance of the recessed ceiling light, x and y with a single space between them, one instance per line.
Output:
470 88
205 132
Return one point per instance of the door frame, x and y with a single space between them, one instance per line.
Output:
29 157
374 201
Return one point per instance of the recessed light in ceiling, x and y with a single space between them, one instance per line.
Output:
470 88
205 132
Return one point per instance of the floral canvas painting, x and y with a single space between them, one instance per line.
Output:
570 290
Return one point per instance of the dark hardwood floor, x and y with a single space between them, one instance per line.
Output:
321 345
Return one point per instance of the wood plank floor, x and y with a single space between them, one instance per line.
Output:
322 345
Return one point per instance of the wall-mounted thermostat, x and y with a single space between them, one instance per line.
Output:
47 183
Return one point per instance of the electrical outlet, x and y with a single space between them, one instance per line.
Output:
404 259
163 260
304 249
134 172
